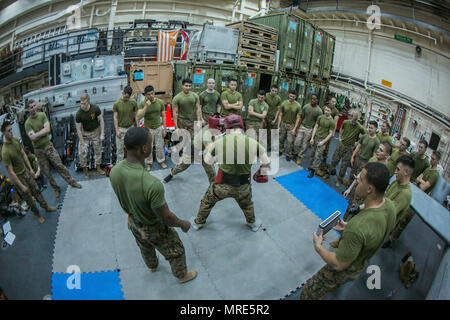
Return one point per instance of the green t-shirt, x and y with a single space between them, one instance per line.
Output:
368 147
152 117
392 164
419 165
36 124
12 155
203 138
257 108
374 159
310 115
351 132
89 119
209 101
247 148
401 197
232 98
325 126
290 111
125 110
273 102
138 191
364 234
187 105
430 175
384 138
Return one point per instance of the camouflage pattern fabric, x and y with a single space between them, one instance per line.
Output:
353 199
162 238
158 142
302 140
326 151
120 144
255 125
268 126
220 191
50 155
358 165
285 134
83 148
187 125
325 280
33 191
401 225
317 155
342 153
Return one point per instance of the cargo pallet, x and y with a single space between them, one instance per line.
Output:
257 44
256 65
256 30
257 55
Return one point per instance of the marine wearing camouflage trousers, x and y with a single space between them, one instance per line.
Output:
302 140
268 126
187 160
325 280
187 125
33 191
50 155
285 134
255 125
83 147
162 238
120 143
316 153
358 165
220 191
342 153
158 142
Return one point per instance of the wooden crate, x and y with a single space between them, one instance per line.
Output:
254 43
255 64
256 55
256 30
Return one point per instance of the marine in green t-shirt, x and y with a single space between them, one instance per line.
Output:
325 125
274 102
289 111
257 106
401 196
428 179
310 114
420 160
12 156
124 110
35 124
153 113
231 99
397 153
383 135
89 119
351 131
186 104
368 143
210 102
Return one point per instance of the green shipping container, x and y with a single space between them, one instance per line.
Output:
305 50
328 55
316 56
290 28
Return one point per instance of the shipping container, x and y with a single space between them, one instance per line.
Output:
305 50
328 55
290 29
316 55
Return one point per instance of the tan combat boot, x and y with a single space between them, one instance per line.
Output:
99 170
86 172
188 277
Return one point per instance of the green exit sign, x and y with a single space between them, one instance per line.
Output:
403 38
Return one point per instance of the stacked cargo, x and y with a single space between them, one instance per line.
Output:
214 44
257 45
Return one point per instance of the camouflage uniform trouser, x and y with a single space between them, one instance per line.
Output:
187 160
49 154
206 116
342 153
357 167
158 142
285 134
318 152
353 199
33 191
255 125
402 223
83 148
327 149
120 143
220 191
268 126
187 125
162 238
302 140
324 281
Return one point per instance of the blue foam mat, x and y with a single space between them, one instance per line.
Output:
313 193
93 286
